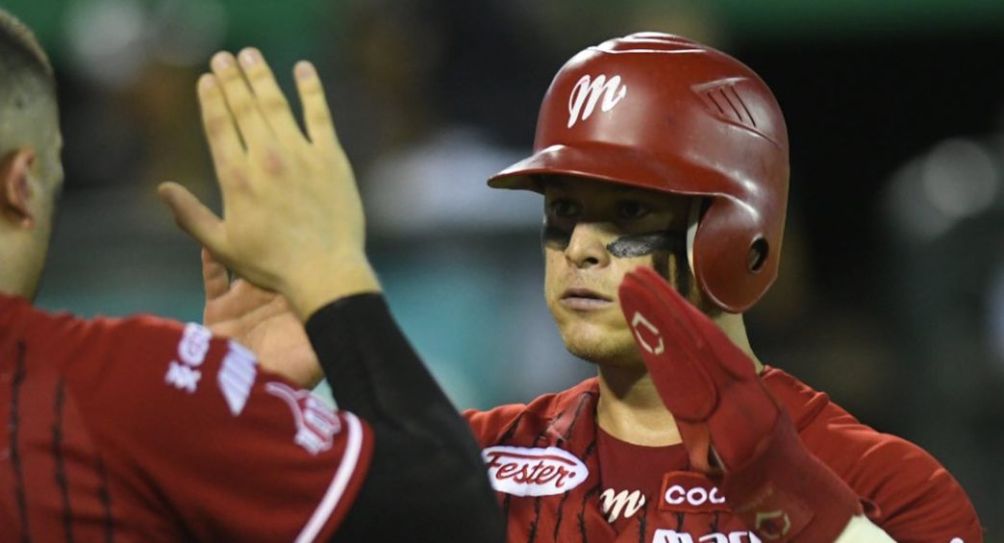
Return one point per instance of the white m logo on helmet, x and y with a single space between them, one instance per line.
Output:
587 93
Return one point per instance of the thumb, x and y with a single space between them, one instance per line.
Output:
193 217
215 278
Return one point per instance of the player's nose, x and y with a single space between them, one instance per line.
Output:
586 248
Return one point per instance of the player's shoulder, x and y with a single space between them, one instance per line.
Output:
492 425
914 496
830 431
26 322
88 350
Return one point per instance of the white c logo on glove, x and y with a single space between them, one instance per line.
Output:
640 320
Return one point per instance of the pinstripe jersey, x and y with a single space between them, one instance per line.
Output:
142 429
544 459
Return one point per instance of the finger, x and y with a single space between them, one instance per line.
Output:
316 115
695 330
221 133
271 101
241 103
193 217
673 307
685 388
669 354
215 278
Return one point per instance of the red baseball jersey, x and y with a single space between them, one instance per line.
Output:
142 429
560 478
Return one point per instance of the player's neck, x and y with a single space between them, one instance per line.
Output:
631 410
735 328
14 281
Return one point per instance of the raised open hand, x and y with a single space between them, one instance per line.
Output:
292 219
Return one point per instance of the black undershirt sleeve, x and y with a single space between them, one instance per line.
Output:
427 481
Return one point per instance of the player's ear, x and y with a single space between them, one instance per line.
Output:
15 188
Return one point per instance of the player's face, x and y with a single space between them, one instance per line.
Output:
594 234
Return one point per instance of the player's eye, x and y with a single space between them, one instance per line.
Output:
628 210
562 208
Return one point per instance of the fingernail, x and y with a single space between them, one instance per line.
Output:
304 69
207 81
249 56
222 60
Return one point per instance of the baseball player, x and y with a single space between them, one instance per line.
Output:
143 429
664 169
663 164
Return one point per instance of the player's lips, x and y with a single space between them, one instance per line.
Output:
583 299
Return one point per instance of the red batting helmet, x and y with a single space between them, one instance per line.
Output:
665 113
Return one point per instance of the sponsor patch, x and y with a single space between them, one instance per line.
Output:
533 471
672 536
236 377
316 423
689 492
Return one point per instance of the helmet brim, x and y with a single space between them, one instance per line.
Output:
621 165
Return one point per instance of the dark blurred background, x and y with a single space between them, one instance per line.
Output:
891 295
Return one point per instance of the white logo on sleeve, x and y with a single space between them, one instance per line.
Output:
525 471
183 377
192 351
194 344
316 423
587 92
237 376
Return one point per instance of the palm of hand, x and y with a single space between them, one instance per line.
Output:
264 322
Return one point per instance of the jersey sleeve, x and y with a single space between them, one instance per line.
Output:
489 426
917 499
908 493
231 451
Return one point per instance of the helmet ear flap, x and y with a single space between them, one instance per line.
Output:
733 261
697 208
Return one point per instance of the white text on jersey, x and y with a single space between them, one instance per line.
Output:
614 503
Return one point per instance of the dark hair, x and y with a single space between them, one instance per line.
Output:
26 76
25 70
20 49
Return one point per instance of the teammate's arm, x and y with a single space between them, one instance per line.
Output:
294 224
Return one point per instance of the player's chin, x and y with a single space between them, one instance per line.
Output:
598 343
607 354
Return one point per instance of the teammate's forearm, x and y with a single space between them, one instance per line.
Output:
371 367
420 437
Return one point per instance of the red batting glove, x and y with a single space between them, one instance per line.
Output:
727 417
